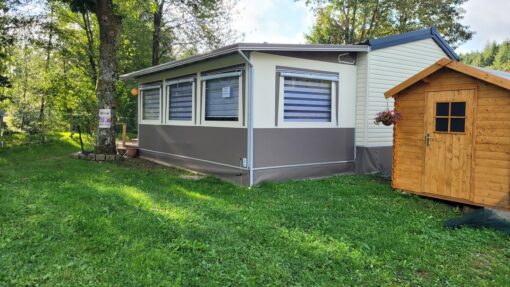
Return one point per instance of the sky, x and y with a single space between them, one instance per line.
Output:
286 21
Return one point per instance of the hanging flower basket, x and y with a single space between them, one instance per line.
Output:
387 117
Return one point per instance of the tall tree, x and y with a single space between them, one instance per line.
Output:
48 48
502 58
109 32
6 43
489 53
180 26
494 55
354 21
157 23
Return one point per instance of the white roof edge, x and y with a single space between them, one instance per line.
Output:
246 47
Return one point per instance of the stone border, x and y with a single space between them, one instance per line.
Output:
97 157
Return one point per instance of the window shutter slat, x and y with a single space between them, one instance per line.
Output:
307 100
180 104
150 104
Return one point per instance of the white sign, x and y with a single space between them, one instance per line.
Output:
225 92
105 118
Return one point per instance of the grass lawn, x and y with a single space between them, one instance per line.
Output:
65 222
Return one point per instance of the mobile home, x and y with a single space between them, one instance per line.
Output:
255 112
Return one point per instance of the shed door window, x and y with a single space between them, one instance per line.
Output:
151 104
450 117
180 101
222 99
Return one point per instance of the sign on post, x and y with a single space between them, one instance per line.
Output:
105 118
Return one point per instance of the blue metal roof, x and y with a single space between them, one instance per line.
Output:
393 40
501 74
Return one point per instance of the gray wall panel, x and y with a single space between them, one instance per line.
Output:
222 145
288 146
374 159
235 176
317 171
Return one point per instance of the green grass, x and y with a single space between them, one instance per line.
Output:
65 222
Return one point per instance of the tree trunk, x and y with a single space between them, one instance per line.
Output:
156 41
42 124
109 31
90 46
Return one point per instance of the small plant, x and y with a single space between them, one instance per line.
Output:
387 117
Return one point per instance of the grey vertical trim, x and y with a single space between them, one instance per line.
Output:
337 101
243 97
250 117
195 101
277 97
164 102
200 89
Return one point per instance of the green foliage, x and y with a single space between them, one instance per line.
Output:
6 42
55 55
354 21
494 55
502 59
66 222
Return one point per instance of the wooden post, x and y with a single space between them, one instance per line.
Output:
124 128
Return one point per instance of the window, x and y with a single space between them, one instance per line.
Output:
307 100
222 97
180 100
150 104
308 97
450 117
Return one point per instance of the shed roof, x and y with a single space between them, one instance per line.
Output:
498 78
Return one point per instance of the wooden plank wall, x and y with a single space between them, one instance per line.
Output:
408 147
491 144
492 147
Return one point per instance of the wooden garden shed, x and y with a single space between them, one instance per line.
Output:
452 140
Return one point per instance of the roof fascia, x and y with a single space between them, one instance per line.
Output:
409 37
245 47
452 65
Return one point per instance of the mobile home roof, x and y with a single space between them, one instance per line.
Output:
246 47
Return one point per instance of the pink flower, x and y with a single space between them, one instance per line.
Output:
387 117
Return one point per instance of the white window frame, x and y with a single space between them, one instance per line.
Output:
328 76
142 88
240 116
167 84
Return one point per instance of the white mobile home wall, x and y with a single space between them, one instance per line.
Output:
378 71
302 149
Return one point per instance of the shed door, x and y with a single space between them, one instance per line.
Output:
448 143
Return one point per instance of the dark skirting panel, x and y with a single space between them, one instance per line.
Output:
212 150
374 159
237 176
289 146
296 153
302 172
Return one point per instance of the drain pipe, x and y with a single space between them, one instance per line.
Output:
249 122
